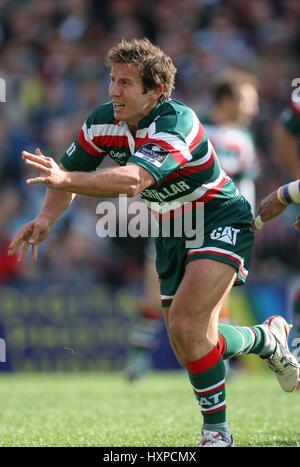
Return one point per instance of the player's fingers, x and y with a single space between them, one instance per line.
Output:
17 241
38 163
38 166
34 252
40 159
34 239
33 181
23 251
258 223
39 153
13 246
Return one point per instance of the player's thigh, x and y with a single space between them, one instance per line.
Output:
205 285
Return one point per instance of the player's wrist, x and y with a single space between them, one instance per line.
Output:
45 219
289 193
281 197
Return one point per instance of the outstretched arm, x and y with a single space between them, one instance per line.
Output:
110 182
37 230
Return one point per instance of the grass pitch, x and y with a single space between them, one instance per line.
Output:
105 410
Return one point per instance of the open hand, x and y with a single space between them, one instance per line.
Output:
31 234
49 172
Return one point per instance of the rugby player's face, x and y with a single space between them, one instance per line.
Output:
130 101
249 103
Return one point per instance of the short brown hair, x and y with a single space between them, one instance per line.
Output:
155 66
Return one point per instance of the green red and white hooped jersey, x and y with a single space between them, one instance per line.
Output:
290 117
235 148
237 156
170 143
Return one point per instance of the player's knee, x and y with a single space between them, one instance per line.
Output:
177 327
182 331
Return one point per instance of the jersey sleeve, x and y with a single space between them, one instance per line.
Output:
83 155
167 147
290 118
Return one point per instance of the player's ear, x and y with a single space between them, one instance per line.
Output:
157 92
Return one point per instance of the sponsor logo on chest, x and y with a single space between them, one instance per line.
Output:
119 157
166 192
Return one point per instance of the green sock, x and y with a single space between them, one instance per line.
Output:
207 376
241 340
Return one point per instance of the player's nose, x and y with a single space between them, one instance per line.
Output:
114 90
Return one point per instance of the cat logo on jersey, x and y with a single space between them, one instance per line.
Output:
153 153
225 234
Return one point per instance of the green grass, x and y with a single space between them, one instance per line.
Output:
104 410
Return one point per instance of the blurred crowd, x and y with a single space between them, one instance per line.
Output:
52 60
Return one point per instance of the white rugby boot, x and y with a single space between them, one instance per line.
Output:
213 439
282 361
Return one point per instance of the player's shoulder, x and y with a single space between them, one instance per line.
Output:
175 116
102 114
178 109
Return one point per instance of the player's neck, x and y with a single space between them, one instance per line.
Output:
133 125
133 129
